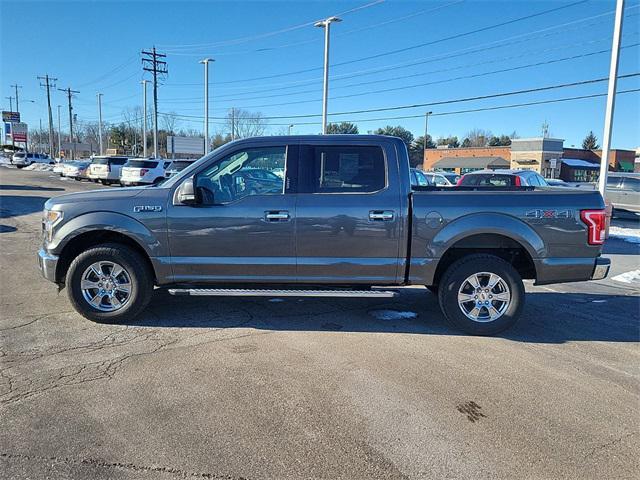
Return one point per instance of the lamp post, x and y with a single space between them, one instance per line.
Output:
205 62
290 127
99 95
326 24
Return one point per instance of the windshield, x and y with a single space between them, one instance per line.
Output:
142 164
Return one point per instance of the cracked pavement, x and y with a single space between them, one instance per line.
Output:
233 388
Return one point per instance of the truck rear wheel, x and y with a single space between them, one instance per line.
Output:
109 283
481 294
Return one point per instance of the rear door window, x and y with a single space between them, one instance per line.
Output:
342 169
142 164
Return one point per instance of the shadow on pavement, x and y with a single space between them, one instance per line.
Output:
547 318
31 187
7 229
18 205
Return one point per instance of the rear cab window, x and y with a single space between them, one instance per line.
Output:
488 180
341 169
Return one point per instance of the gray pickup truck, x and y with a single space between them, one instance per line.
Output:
331 215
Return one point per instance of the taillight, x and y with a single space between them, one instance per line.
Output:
143 171
517 181
595 220
459 182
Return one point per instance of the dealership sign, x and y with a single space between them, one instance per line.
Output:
19 132
11 117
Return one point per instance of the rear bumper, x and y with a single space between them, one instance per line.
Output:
562 270
47 264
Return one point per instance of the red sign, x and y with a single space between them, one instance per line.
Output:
20 137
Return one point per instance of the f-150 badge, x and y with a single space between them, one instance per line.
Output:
147 208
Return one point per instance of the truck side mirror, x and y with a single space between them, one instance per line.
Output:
186 193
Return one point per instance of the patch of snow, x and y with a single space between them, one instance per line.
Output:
631 235
392 315
39 167
628 277
5 160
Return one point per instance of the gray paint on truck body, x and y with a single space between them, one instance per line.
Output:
329 238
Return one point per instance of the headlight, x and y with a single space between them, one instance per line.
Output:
49 219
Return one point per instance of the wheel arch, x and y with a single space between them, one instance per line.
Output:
501 235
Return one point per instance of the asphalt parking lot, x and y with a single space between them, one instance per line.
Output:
310 388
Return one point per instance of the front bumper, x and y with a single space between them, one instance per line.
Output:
47 264
601 268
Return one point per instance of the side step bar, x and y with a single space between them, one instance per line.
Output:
241 292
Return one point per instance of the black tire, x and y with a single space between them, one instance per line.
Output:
19 166
133 263
456 275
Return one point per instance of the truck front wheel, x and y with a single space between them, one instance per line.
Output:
109 283
481 294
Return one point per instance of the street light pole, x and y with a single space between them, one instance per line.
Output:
206 102
326 24
426 124
144 120
290 127
611 97
99 95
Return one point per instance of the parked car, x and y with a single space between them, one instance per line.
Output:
442 179
418 178
77 169
254 181
144 171
502 178
345 216
177 166
623 189
106 169
24 159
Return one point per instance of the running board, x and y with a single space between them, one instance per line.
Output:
242 292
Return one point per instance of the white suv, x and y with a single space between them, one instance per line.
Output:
24 159
107 169
144 171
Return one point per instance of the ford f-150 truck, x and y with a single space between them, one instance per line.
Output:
342 219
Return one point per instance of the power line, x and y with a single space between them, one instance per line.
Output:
444 102
267 34
404 87
412 47
341 34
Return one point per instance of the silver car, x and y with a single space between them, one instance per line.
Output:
623 190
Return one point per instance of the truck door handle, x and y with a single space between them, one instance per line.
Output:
380 215
276 216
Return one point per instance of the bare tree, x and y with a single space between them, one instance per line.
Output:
478 137
243 124
170 122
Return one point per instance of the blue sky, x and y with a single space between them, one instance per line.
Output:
95 47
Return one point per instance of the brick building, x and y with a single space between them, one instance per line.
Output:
546 156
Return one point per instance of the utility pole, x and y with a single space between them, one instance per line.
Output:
144 120
611 98
152 64
49 84
426 123
69 94
59 142
16 86
206 102
99 95
326 24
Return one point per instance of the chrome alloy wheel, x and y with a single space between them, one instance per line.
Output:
484 297
106 286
